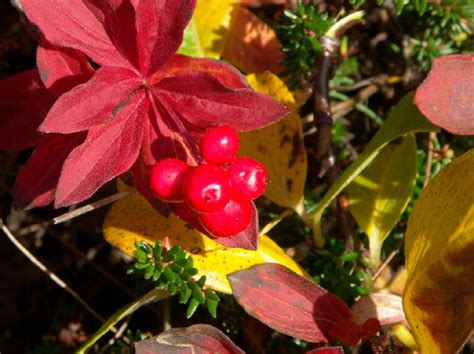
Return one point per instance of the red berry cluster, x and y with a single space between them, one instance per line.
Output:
216 194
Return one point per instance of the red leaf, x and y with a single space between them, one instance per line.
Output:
181 64
36 183
197 339
247 239
288 302
71 24
95 102
446 96
326 350
107 152
24 102
160 27
203 100
61 69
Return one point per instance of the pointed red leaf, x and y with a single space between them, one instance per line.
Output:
446 96
61 69
107 152
203 100
36 183
197 339
71 24
24 102
93 103
181 64
288 302
160 26
327 350
114 17
247 239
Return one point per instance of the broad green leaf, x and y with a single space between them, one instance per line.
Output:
134 219
405 118
191 45
439 247
279 146
150 297
380 194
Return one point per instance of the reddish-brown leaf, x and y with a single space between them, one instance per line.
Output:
327 350
288 302
71 24
61 69
197 339
107 152
446 96
24 102
36 183
95 102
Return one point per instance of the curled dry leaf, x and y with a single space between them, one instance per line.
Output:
446 96
197 339
439 247
387 308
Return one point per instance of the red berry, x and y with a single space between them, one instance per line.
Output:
234 218
206 188
166 179
248 178
220 145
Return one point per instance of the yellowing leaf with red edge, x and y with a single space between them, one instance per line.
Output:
439 246
446 96
252 45
279 146
212 19
134 219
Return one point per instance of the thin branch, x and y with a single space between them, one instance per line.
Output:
429 158
44 269
385 264
90 207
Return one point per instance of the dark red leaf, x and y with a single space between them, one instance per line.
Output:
327 350
24 102
107 152
446 96
93 103
197 339
288 302
247 239
347 331
61 69
203 100
71 24
36 183
160 26
181 64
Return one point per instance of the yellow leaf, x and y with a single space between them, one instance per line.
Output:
212 18
380 194
439 247
133 219
279 146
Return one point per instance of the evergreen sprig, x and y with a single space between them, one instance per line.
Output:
174 270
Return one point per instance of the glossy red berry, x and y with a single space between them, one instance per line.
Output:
220 145
206 188
235 217
248 178
166 179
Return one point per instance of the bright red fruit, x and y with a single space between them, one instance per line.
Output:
220 145
248 178
166 179
234 218
206 188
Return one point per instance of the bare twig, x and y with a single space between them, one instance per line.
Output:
44 269
90 207
429 158
387 261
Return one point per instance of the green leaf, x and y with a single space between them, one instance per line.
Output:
212 307
405 118
191 45
192 307
150 297
380 194
197 293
